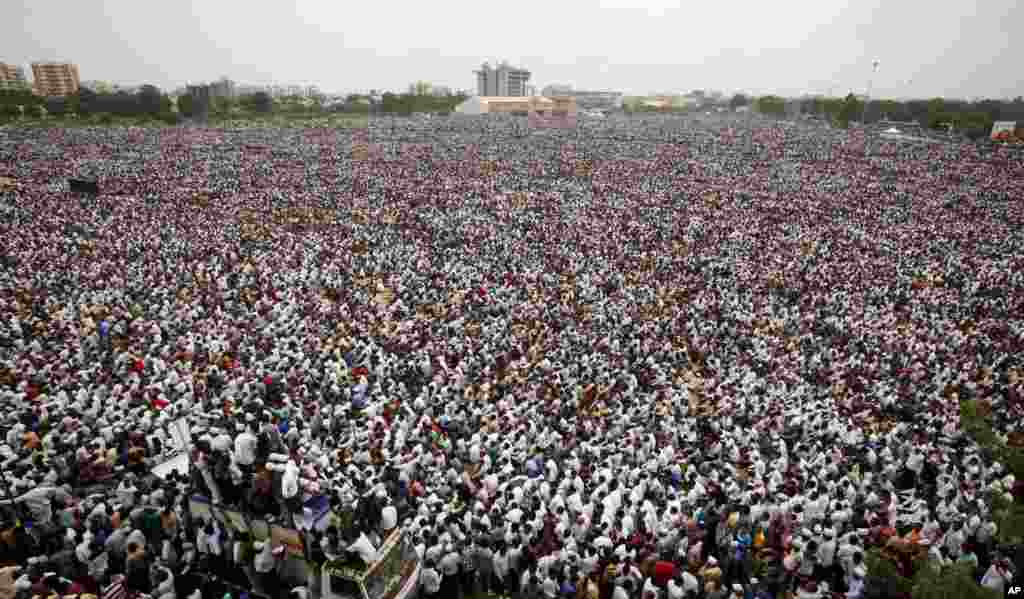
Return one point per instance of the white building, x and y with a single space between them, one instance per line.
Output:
504 80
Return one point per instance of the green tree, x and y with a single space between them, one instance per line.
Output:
883 578
955 581
738 100
103 87
887 109
357 103
850 110
421 88
9 112
771 105
149 99
317 101
72 105
262 102
186 105
217 107
1008 514
34 111
57 106
86 101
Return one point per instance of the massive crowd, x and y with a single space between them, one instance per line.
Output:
656 358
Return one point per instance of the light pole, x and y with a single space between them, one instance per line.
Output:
864 113
867 96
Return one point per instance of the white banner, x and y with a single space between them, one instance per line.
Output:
181 435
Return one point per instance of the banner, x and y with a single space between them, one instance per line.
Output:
82 186
1003 129
290 538
178 463
181 434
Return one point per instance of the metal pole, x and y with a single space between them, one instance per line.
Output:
867 96
864 113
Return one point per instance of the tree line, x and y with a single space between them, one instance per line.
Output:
261 103
147 102
974 119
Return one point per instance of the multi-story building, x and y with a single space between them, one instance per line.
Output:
55 78
502 80
12 75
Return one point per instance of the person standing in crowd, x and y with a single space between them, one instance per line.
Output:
748 358
430 579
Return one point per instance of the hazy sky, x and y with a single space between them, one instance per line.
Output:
942 47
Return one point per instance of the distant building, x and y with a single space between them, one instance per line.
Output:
200 97
55 78
12 76
502 80
542 112
223 88
585 100
558 112
502 105
597 100
248 90
556 89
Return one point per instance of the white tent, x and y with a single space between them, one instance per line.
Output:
472 105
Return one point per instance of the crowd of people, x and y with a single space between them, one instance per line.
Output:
656 358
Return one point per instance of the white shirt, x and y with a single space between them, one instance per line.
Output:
675 591
500 563
430 580
245 448
364 548
389 517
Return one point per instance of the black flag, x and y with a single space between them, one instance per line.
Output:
81 186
